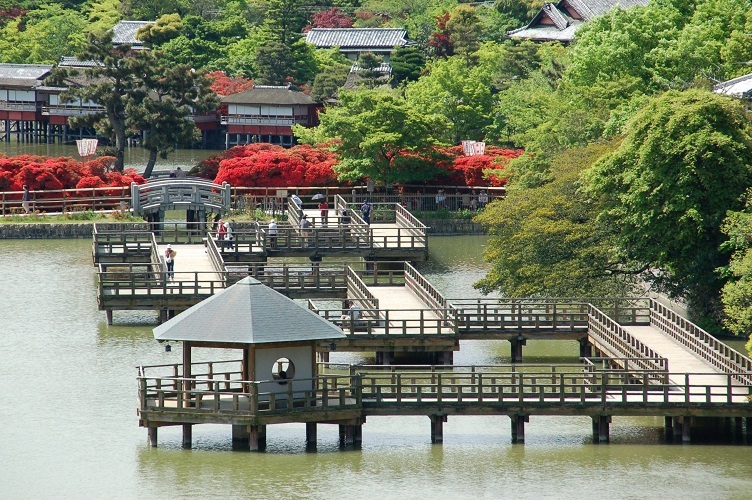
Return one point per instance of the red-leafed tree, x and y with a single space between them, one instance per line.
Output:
478 170
224 85
332 18
439 40
269 165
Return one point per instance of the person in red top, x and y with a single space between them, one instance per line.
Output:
324 207
221 233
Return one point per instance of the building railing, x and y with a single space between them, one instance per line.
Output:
255 120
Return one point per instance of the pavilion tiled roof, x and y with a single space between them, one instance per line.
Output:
23 75
247 312
269 95
357 38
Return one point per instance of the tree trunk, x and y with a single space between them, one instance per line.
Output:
150 164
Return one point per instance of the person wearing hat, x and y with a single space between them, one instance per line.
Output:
305 229
170 260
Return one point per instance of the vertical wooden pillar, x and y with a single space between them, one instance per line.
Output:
738 428
187 371
437 428
257 439
686 424
668 425
518 428
601 424
108 312
357 431
677 428
345 435
385 358
311 435
447 358
517 343
152 436
187 436
240 433
586 350
324 356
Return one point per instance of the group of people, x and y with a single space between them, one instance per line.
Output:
224 235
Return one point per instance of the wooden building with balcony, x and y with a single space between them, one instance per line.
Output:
21 102
267 114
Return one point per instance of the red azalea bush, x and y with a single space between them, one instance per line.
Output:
267 165
42 173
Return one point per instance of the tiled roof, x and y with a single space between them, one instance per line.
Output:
124 32
73 62
590 9
364 38
738 87
26 75
564 26
269 95
248 312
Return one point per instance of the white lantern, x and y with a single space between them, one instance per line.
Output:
86 147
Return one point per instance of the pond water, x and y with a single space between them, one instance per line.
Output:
68 425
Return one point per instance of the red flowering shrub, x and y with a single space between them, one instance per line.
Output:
265 165
478 170
332 18
43 173
224 85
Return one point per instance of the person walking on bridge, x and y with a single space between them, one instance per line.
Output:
170 261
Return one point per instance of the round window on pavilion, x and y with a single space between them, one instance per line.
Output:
283 370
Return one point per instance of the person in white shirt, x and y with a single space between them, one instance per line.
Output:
272 233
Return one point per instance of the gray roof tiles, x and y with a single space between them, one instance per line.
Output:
248 312
739 87
361 38
266 96
124 32
27 75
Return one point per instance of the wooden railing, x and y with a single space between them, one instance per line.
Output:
707 347
114 284
190 193
67 200
359 293
402 323
562 389
608 336
122 246
519 316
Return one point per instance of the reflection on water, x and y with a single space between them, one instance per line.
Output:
69 417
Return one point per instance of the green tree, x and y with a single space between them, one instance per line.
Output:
43 36
737 292
161 108
407 64
464 31
329 81
458 91
381 137
547 240
684 163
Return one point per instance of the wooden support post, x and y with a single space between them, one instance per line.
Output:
437 428
601 424
748 425
108 312
677 429
686 424
240 433
586 350
324 356
163 317
357 431
517 343
153 436
257 439
187 436
385 358
668 425
518 428
447 358
738 428
311 435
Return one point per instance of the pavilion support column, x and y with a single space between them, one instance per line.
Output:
518 428
187 370
153 436
240 433
257 438
586 350
517 343
437 428
311 435
108 312
187 436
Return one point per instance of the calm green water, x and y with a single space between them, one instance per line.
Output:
68 426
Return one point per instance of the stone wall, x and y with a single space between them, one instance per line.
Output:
448 227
